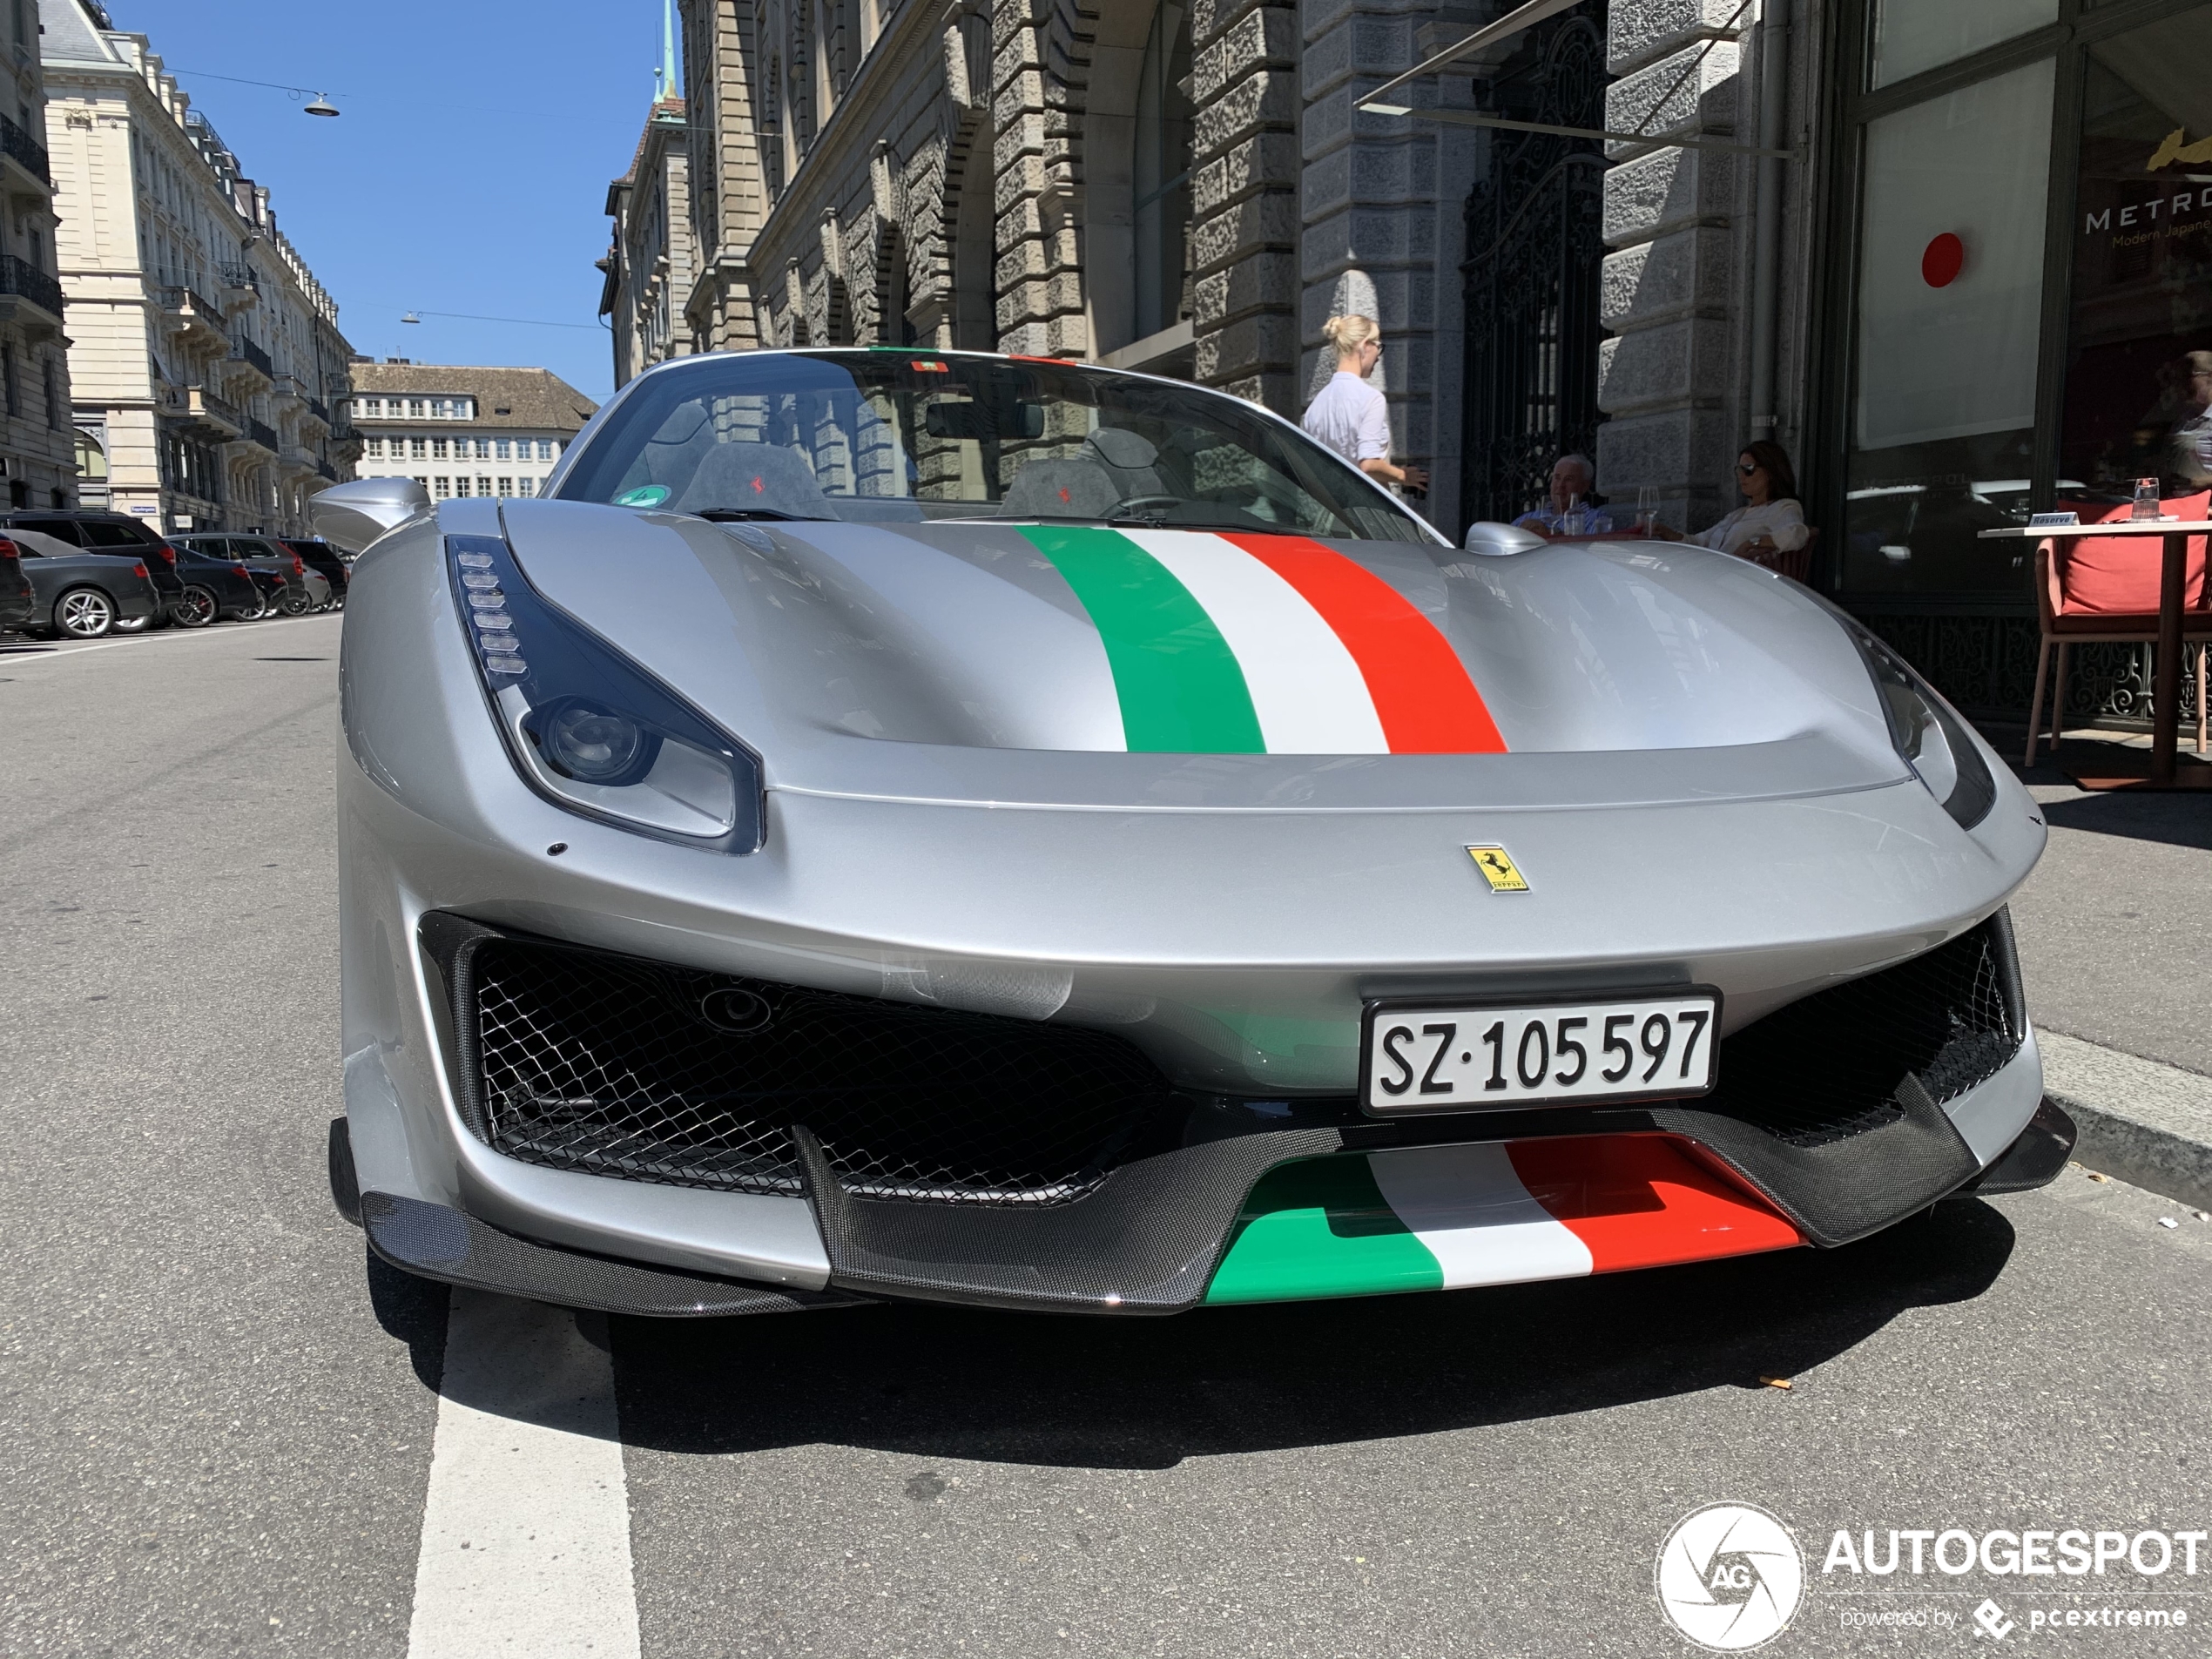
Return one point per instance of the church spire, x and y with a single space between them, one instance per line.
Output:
666 85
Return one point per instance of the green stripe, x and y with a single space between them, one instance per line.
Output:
1181 690
1320 1228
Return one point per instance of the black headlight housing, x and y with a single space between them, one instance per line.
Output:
1926 731
590 730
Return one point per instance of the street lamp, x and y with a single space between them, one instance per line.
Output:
322 106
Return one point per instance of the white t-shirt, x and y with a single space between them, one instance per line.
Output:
1781 521
1351 417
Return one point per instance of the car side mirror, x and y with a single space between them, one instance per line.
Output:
356 514
1496 540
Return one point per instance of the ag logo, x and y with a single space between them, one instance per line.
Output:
1731 1577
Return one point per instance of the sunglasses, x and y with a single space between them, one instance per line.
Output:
1747 467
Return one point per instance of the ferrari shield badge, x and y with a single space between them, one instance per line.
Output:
1498 869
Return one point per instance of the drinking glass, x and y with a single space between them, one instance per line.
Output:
1647 509
2146 498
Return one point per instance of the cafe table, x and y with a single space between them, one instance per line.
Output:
2166 690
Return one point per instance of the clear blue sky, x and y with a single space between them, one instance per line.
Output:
468 172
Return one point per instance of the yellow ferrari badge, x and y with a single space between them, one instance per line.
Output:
1498 869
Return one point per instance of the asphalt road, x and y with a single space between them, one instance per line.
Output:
220 1426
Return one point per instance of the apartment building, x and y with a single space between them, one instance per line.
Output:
462 431
206 361
36 463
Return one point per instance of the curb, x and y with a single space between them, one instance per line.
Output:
2148 1123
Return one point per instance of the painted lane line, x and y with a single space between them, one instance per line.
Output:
1306 687
160 642
525 1544
1468 1207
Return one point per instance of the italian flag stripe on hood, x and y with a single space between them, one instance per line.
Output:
1443 1218
1274 644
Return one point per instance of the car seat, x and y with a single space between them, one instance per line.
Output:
755 474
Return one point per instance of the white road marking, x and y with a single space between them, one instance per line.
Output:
167 637
526 1525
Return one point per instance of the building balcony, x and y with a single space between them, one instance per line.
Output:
320 411
259 434
197 406
241 287
23 159
249 366
192 317
289 391
30 295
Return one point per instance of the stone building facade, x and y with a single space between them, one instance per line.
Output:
38 465
206 362
649 264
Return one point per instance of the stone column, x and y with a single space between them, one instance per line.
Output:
1244 207
1035 57
1673 289
1382 225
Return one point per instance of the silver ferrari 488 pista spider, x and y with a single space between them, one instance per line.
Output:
897 824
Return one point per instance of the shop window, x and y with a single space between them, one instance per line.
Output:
1911 35
1951 234
2139 345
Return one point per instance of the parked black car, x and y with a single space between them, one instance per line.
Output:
215 589
80 594
18 604
262 555
99 532
320 555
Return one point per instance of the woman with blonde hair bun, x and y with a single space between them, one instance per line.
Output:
1349 415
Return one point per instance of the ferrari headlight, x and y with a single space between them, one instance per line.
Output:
1928 733
590 730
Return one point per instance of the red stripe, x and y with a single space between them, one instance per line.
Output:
1645 1201
1427 702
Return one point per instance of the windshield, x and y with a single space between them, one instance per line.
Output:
896 434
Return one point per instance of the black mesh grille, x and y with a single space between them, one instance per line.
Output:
1828 1067
619 1067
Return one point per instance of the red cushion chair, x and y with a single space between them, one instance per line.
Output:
2117 576
2103 589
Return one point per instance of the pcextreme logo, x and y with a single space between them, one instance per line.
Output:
1730 1577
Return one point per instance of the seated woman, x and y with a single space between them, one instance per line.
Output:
1772 521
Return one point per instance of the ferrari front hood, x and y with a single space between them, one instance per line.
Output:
1077 665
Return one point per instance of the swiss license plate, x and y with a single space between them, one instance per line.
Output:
1473 1056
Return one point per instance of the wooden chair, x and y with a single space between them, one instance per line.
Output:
2061 631
1794 563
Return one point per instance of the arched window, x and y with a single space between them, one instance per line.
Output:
1137 231
1160 175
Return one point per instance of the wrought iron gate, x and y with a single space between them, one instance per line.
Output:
1533 241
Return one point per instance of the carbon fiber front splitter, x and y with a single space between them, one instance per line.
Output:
433 1242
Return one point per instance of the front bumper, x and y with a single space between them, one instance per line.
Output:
1234 1199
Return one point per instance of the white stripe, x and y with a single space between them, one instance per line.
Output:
1309 693
526 1525
1468 1207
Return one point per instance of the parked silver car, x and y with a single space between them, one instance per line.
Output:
906 824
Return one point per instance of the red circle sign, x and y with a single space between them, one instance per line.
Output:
1942 261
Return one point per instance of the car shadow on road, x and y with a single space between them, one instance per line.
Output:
1146 1393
